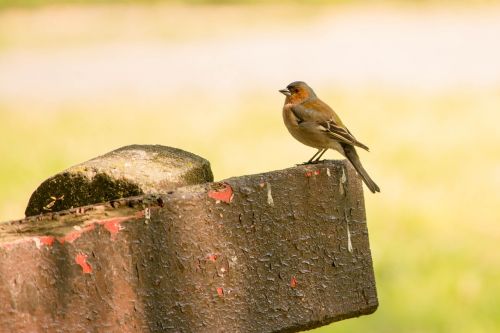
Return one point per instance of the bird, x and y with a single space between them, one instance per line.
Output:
313 123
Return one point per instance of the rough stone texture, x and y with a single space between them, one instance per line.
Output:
277 252
125 172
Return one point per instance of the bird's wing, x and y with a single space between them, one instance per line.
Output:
340 133
312 111
327 121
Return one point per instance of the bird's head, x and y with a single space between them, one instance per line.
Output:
297 92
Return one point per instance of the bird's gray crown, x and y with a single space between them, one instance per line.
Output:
297 84
301 84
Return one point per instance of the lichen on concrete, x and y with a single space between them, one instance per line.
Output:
127 171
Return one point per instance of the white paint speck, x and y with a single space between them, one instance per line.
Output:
147 215
270 200
349 242
328 172
37 241
343 180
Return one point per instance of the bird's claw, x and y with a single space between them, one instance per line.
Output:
307 163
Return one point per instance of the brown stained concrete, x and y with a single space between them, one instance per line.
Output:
282 251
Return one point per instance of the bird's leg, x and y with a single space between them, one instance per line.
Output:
312 158
319 157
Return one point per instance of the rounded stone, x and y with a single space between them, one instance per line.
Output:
128 171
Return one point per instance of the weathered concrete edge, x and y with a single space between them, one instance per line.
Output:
28 223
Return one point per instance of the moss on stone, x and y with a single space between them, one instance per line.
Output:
125 172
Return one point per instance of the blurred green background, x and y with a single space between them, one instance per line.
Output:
418 81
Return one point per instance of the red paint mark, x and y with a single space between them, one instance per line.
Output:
220 292
212 257
74 235
47 240
113 227
224 194
312 173
81 259
293 282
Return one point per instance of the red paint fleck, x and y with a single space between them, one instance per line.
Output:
212 257
293 282
47 240
74 235
220 292
81 259
113 226
224 194
312 173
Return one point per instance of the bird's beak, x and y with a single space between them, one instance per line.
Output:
285 92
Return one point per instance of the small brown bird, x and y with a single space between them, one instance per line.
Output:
315 124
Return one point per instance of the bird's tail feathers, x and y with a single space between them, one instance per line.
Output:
360 145
352 156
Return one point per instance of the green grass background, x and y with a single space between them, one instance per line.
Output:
434 229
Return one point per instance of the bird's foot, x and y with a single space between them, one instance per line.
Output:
307 163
